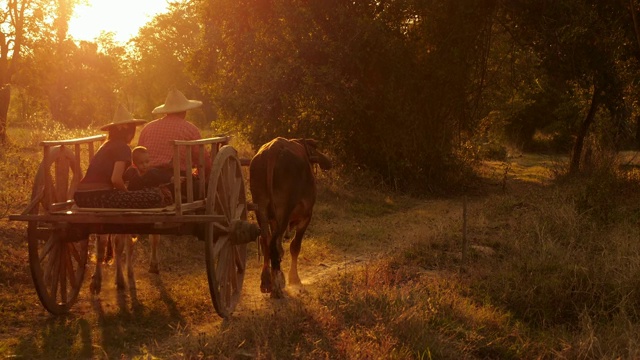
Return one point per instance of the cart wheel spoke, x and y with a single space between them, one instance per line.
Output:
239 262
220 206
47 248
220 242
63 275
55 273
74 252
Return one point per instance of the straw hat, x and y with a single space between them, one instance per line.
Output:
122 117
176 102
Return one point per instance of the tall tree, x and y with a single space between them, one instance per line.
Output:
159 56
23 24
582 47
389 85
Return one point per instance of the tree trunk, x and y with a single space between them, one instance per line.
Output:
5 96
636 27
574 165
637 147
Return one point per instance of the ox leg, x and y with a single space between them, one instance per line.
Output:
108 257
119 240
130 239
96 279
154 239
294 248
277 277
124 253
265 239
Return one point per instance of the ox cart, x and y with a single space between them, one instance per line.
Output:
211 207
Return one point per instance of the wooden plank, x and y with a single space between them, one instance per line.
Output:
176 180
118 218
212 140
196 204
77 174
62 176
189 175
70 205
48 186
201 171
83 140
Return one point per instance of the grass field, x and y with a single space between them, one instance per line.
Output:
551 270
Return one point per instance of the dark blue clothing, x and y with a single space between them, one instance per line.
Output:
100 171
152 178
101 166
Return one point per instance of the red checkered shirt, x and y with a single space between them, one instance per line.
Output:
157 137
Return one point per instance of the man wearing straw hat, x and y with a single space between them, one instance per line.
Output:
158 135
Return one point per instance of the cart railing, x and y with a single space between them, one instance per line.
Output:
53 193
62 155
183 161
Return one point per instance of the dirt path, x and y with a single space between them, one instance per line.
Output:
348 231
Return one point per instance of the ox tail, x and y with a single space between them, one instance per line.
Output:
271 165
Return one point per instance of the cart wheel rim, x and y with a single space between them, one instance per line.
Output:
226 262
57 268
57 265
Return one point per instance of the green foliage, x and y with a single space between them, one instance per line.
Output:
580 68
157 60
17 169
385 85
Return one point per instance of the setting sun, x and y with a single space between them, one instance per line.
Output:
122 17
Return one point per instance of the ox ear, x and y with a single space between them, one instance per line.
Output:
321 159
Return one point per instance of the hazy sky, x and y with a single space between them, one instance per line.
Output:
123 17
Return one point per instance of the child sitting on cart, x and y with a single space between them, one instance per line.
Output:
141 176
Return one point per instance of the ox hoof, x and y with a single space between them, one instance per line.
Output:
294 280
153 268
277 294
96 285
278 284
265 283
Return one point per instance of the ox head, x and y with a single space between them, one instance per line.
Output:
315 156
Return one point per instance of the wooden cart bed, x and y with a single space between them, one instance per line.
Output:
211 207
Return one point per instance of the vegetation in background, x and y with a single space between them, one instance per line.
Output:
413 92
407 96
551 271
386 91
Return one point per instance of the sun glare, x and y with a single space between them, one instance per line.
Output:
122 17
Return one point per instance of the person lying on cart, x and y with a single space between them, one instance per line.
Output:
103 185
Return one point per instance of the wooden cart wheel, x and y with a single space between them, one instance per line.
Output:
57 264
226 261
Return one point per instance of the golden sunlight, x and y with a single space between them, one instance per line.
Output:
122 17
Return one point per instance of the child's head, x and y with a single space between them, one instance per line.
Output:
140 158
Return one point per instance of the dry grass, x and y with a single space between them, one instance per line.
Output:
552 272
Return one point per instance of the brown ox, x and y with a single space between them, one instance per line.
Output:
283 187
